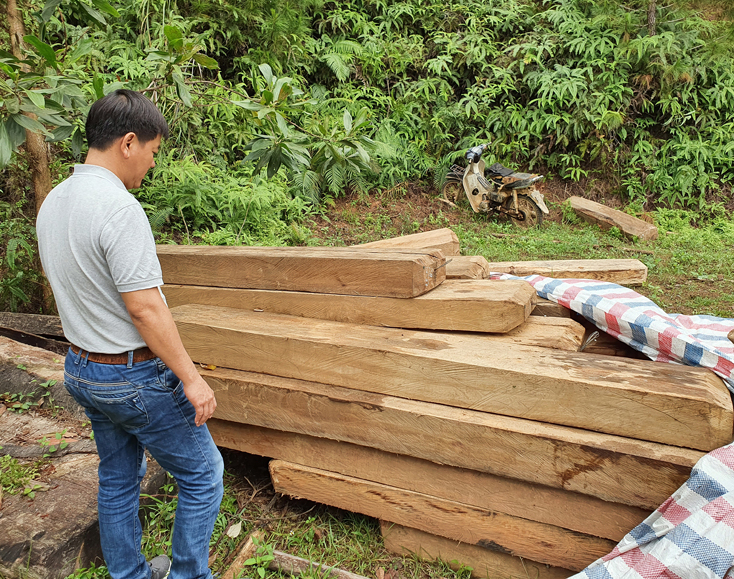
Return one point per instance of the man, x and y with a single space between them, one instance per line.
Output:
127 366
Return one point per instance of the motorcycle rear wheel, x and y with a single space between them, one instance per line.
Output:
532 216
452 191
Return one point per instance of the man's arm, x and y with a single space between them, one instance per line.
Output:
153 320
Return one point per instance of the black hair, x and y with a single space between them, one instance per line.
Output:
121 112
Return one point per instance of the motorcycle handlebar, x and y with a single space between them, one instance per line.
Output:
475 153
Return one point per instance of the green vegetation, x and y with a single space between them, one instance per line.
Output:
16 476
277 107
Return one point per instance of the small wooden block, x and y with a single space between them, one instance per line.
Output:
444 239
557 333
456 305
398 273
484 562
619 470
607 218
467 267
512 535
621 271
547 308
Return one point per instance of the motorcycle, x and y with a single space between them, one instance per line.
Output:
498 190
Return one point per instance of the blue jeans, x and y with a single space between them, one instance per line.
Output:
133 407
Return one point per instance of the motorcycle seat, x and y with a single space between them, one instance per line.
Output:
498 169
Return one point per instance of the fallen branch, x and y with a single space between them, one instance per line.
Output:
297 566
633 250
245 552
442 200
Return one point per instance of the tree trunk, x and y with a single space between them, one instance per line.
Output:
35 144
652 17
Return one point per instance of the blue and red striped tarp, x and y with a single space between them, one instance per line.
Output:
691 535
639 322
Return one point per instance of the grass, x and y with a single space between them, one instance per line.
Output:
326 535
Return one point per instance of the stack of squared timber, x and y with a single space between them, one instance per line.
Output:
474 431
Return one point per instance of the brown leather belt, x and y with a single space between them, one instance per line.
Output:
139 355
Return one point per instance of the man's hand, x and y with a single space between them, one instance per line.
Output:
202 399
153 320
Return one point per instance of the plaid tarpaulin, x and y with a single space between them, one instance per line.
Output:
691 535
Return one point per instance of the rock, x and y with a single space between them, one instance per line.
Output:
49 536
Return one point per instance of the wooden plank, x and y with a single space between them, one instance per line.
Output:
398 273
664 403
619 470
467 267
621 271
512 535
557 333
547 308
607 345
534 502
444 239
484 561
607 218
296 566
457 305
245 551
33 324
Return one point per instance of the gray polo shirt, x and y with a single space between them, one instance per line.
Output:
95 242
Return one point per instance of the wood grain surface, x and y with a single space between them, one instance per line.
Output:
535 502
664 403
456 305
615 469
484 561
621 271
400 273
606 218
511 535
444 239
467 267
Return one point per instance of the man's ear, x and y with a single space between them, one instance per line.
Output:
125 144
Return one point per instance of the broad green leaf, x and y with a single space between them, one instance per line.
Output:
5 55
94 13
60 134
182 89
347 121
36 99
282 125
98 85
249 105
106 7
43 49
113 86
267 97
13 105
82 49
206 61
267 72
174 36
16 133
52 119
77 143
6 148
48 9
30 124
